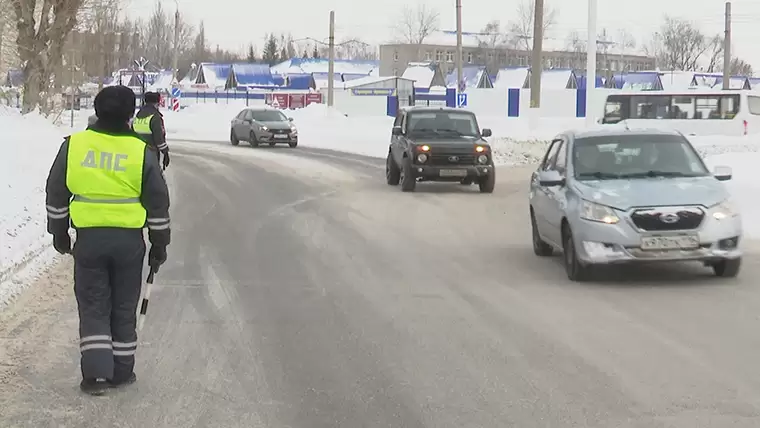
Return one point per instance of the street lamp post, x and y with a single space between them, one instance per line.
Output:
591 63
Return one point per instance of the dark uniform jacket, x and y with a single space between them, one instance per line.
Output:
154 195
157 139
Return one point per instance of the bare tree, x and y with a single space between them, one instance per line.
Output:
490 40
415 25
576 44
739 67
521 28
680 45
42 29
714 54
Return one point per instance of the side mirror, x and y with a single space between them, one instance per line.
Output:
396 130
723 173
290 119
486 132
550 179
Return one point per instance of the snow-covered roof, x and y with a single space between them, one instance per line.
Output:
424 75
214 75
754 82
369 80
676 80
164 81
321 80
511 77
320 65
558 78
474 76
252 75
712 80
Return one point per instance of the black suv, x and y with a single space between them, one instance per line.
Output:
439 144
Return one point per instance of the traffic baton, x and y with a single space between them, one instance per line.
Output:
146 297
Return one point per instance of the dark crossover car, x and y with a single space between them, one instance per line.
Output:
632 196
439 144
263 125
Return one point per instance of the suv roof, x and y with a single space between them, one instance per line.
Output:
439 108
620 131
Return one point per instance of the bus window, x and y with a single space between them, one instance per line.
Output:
650 107
613 111
682 107
753 104
729 106
707 107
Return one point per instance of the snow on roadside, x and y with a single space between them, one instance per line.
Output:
29 145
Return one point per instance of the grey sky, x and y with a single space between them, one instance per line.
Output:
235 23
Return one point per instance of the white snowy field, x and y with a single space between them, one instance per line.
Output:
30 143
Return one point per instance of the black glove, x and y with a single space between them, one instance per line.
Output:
156 257
62 243
166 159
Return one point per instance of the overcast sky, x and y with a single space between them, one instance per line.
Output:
234 24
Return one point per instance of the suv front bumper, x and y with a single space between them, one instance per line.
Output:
599 243
452 173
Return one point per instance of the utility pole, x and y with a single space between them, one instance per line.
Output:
175 57
727 50
591 63
536 65
331 63
460 76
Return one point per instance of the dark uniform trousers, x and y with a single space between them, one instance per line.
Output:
108 269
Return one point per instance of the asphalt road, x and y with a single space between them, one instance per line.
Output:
301 291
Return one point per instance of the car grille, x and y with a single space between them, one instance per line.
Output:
279 131
452 159
665 219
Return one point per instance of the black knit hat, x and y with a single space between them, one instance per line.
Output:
151 97
115 104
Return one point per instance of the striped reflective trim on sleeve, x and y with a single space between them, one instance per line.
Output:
163 146
123 349
57 213
158 223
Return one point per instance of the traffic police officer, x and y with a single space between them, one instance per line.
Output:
108 184
149 124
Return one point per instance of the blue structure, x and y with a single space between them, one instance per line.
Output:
213 75
347 77
581 81
754 82
320 65
449 99
300 82
252 76
637 81
475 77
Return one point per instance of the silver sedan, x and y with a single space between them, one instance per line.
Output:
263 125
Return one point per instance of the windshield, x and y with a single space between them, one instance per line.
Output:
269 116
442 124
636 156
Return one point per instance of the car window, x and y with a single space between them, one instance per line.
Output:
248 115
560 158
442 124
636 156
242 114
550 154
269 116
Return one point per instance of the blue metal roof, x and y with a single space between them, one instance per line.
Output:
252 75
471 75
347 77
581 81
300 81
278 80
220 71
754 82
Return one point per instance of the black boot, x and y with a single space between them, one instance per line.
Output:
94 386
115 383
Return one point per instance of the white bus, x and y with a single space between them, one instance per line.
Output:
693 112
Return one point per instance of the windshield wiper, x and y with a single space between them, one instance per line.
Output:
656 174
598 175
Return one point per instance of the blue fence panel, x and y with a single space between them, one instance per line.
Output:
580 103
451 97
513 102
391 108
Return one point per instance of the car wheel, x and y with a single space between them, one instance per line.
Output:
253 140
540 248
728 268
293 144
573 267
233 138
408 179
488 182
392 171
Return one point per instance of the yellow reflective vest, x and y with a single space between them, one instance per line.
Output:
104 173
142 125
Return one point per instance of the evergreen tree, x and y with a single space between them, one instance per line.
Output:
305 54
270 50
251 53
315 54
283 54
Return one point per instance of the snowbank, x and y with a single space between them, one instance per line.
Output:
29 146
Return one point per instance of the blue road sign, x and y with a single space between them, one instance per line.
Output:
176 93
461 100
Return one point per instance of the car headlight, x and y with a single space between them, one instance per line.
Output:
483 159
264 128
724 210
422 158
600 213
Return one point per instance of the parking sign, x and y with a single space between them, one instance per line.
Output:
461 100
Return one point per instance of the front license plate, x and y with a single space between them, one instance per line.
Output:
686 242
280 136
453 173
